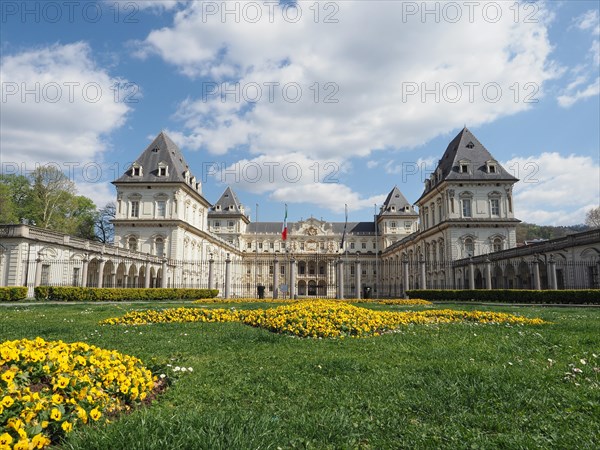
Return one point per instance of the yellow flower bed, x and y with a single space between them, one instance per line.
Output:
320 318
48 387
401 301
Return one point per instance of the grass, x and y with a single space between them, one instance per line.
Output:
448 386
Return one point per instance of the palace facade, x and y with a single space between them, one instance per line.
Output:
168 234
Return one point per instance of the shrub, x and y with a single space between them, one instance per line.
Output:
577 297
41 292
69 294
13 294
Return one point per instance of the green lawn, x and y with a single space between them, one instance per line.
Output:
450 386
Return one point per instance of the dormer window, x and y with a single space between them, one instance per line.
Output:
491 167
217 207
163 169
136 170
186 175
393 208
463 166
193 181
470 145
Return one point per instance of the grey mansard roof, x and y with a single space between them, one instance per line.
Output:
227 200
161 150
466 147
395 204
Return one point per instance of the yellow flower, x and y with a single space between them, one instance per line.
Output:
8 376
95 414
7 401
55 414
57 399
62 382
40 441
22 445
67 426
5 439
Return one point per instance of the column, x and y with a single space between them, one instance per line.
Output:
471 275
113 279
536 274
406 276
228 276
163 281
358 279
275 277
292 286
38 271
101 272
126 280
341 278
84 272
211 270
423 273
147 276
488 274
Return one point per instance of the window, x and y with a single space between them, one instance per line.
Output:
302 246
464 168
352 245
407 225
136 171
161 208
132 243
162 171
466 207
75 276
260 245
135 208
393 225
364 246
440 211
469 247
322 245
432 214
470 145
249 245
426 215
497 245
271 245
492 169
217 207
217 224
352 270
509 203
45 281
159 245
230 224
495 207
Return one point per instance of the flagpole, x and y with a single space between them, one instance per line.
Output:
256 255
376 251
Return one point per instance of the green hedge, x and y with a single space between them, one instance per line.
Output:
55 293
12 294
578 297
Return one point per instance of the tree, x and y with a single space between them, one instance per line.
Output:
51 197
7 207
16 193
105 230
592 218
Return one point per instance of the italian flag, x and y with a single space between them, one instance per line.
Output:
284 226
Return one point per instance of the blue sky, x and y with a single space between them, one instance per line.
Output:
337 101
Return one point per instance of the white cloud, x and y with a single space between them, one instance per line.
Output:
68 112
590 20
370 57
372 164
592 90
555 189
155 6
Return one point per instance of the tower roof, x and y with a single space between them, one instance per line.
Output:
161 151
465 149
228 203
396 204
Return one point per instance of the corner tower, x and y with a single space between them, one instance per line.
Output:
466 208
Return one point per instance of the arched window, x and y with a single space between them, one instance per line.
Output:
132 243
469 247
159 246
497 244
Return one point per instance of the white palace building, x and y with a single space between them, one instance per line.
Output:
167 234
